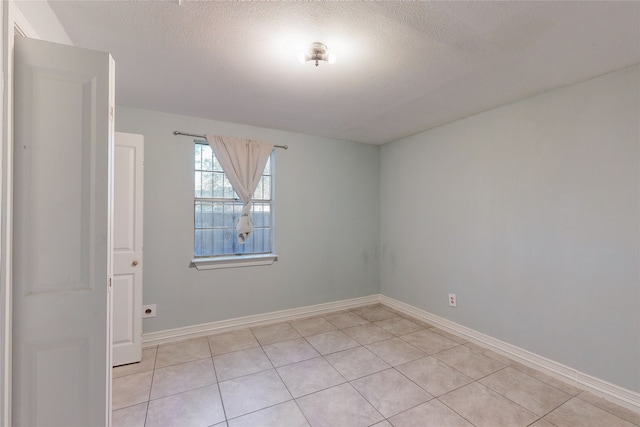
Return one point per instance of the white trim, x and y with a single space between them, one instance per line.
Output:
5 304
233 261
12 21
179 334
20 22
618 395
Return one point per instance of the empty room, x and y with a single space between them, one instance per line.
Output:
340 214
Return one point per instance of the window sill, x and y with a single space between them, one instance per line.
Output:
233 261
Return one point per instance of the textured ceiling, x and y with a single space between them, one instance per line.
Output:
403 67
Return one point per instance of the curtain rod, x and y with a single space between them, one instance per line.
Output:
175 132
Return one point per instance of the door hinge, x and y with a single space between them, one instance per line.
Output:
111 113
109 282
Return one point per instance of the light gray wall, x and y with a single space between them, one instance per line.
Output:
530 214
326 224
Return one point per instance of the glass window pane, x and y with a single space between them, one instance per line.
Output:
218 185
228 192
267 167
207 184
266 182
216 165
258 234
198 184
198 156
215 221
207 157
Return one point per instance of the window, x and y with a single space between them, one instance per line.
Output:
217 209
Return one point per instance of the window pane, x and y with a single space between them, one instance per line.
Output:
207 157
207 184
229 236
204 215
267 240
267 168
258 234
218 185
228 192
266 182
198 156
204 240
216 165
216 217
198 184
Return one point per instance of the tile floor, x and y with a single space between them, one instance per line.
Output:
370 366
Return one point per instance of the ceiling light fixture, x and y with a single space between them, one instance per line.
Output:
317 52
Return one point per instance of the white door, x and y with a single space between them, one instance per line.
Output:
127 248
63 144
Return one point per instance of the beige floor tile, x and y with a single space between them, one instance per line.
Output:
199 407
147 363
484 407
275 333
395 311
577 412
228 342
183 351
253 392
338 406
356 363
312 326
452 337
131 390
470 363
526 391
178 378
367 333
286 352
399 325
283 415
542 423
429 341
309 376
434 376
619 411
489 353
331 342
430 414
395 351
239 363
561 385
374 313
132 416
344 320
390 392
415 320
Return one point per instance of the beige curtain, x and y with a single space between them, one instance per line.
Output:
243 161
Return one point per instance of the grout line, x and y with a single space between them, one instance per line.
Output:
215 372
397 315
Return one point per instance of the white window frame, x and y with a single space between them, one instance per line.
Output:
240 260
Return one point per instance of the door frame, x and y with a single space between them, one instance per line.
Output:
13 21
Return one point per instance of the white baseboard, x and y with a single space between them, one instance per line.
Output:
179 334
618 395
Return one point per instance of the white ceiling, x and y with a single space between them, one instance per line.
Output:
403 67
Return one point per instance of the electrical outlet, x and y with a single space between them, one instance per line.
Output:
148 311
452 300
